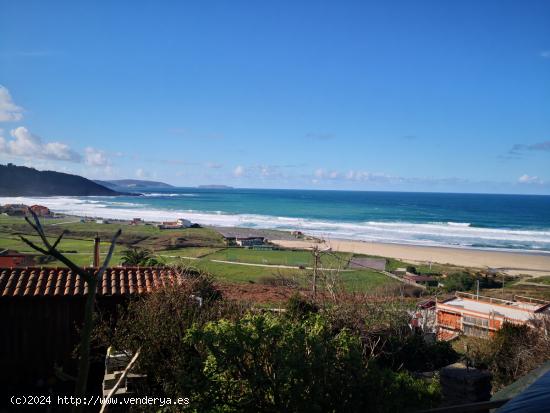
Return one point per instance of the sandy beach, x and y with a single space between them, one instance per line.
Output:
510 262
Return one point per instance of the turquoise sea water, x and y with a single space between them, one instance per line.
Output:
518 222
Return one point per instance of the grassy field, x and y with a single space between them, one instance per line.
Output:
281 257
392 264
365 280
201 244
514 289
542 280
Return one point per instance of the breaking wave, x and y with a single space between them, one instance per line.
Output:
456 234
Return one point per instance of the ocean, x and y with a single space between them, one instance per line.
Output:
504 222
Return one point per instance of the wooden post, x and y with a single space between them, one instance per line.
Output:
96 251
315 268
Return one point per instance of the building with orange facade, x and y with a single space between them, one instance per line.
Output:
40 210
478 316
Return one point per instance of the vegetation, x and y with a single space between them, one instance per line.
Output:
139 257
281 257
513 351
459 281
315 357
21 181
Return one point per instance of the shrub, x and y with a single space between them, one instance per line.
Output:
411 269
299 307
415 354
513 345
459 281
269 363
513 351
158 324
226 358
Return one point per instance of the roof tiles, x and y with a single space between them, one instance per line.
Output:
57 282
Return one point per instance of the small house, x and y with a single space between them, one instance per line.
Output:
242 237
180 223
185 223
41 210
478 316
249 241
12 259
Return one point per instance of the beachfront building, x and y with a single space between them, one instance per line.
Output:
178 224
14 209
249 241
41 210
478 316
242 237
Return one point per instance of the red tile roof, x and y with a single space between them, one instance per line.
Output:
35 281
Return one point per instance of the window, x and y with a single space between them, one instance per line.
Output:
475 331
475 321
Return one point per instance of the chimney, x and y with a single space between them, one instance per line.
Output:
96 251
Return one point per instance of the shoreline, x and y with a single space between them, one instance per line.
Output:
513 263
530 262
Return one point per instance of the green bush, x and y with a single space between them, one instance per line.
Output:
411 269
415 354
307 360
300 307
459 281
269 363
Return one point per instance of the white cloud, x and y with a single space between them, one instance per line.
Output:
239 171
26 145
213 165
96 157
320 173
528 179
9 111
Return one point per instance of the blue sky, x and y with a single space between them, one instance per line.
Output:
418 96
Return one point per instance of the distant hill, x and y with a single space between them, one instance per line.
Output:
215 187
22 181
132 184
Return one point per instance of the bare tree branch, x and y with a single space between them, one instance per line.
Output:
58 240
31 224
109 255
38 228
33 246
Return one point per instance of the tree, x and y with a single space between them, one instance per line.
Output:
139 257
459 281
90 279
411 269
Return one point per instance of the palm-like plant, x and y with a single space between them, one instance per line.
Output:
139 257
